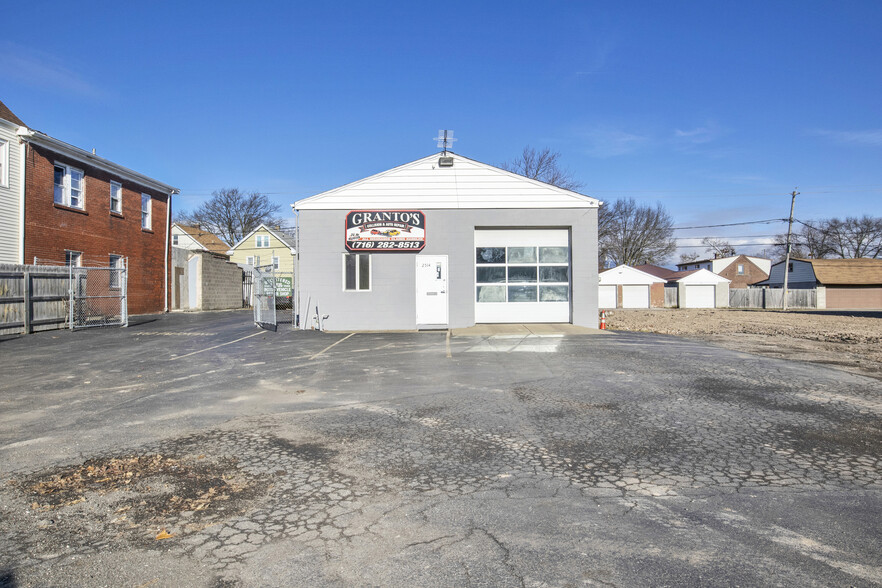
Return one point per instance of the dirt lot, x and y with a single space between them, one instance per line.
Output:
850 340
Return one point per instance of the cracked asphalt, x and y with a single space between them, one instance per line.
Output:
418 459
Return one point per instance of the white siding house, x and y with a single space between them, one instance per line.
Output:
11 188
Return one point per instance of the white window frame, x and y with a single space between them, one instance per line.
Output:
740 269
253 260
77 256
4 163
118 208
115 264
358 272
262 241
175 239
67 188
275 263
146 214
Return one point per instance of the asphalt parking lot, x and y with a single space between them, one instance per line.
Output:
193 449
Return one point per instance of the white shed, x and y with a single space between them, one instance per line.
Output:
702 289
626 287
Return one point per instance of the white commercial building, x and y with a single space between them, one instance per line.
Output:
446 241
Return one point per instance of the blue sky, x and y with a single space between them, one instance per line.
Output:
717 110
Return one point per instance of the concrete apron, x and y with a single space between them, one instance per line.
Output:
525 330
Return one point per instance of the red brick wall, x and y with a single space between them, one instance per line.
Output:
752 273
51 229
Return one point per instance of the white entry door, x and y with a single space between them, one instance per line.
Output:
431 290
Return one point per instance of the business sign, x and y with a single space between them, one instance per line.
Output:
283 286
385 230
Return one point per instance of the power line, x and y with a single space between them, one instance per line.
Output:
759 222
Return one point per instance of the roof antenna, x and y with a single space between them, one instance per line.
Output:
445 141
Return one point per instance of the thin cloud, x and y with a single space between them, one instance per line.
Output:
698 136
41 70
609 142
871 137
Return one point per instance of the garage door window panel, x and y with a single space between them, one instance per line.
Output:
554 274
554 255
521 255
491 275
522 293
491 294
554 293
522 274
491 255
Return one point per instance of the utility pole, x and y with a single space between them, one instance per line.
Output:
787 257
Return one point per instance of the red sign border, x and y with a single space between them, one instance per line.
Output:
410 250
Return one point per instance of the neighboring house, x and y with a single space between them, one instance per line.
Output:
77 208
740 270
841 283
265 246
697 288
627 287
197 239
11 187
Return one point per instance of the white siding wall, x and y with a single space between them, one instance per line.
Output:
10 198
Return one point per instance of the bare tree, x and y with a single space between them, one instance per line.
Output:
855 237
231 214
544 166
849 238
718 247
689 257
637 234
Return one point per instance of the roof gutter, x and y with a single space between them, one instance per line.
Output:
44 140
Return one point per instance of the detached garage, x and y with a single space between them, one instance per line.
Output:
701 289
446 241
626 287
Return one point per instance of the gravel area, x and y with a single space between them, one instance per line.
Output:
850 340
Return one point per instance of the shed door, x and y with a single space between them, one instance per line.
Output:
635 296
522 276
606 297
699 296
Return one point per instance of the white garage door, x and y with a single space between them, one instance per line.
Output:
606 297
699 296
522 276
635 296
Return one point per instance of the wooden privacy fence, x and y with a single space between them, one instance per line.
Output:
772 298
33 298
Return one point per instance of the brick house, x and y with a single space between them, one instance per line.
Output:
86 210
740 270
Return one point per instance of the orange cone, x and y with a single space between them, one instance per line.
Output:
603 319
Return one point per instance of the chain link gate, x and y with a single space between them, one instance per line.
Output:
98 297
264 291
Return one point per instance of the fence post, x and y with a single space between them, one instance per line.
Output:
26 287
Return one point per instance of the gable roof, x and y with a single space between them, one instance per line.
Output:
654 270
88 158
625 274
277 234
861 271
425 184
8 115
209 241
699 276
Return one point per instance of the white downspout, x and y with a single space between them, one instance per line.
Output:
167 239
21 202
